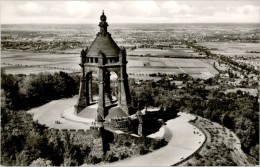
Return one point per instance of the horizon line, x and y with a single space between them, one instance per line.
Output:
141 23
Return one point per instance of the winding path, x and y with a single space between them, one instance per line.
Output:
51 112
182 144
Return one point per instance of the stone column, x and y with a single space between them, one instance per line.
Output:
108 97
90 96
87 90
119 89
116 89
124 93
101 100
82 100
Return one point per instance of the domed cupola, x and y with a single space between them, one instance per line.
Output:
103 24
103 41
103 17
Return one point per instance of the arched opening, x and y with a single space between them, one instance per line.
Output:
114 85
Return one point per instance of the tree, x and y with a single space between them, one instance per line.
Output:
246 131
57 149
227 121
41 162
25 157
254 151
9 83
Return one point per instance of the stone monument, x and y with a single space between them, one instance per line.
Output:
103 56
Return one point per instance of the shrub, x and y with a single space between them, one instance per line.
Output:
197 156
189 164
123 156
111 157
143 150
127 144
208 147
41 162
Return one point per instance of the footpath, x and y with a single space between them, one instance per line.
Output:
182 143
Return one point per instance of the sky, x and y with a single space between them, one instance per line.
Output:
134 11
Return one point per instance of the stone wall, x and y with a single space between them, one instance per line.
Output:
150 122
124 124
92 130
148 143
110 141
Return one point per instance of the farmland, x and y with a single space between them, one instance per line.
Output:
27 62
169 52
16 62
233 48
150 65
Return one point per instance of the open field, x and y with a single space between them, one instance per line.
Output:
27 62
30 70
233 48
16 62
176 52
150 65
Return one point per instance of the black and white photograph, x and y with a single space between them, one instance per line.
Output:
130 83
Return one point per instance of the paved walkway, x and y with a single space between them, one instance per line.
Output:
49 113
182 144
69 114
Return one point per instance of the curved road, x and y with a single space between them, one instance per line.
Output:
181 145
51 112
